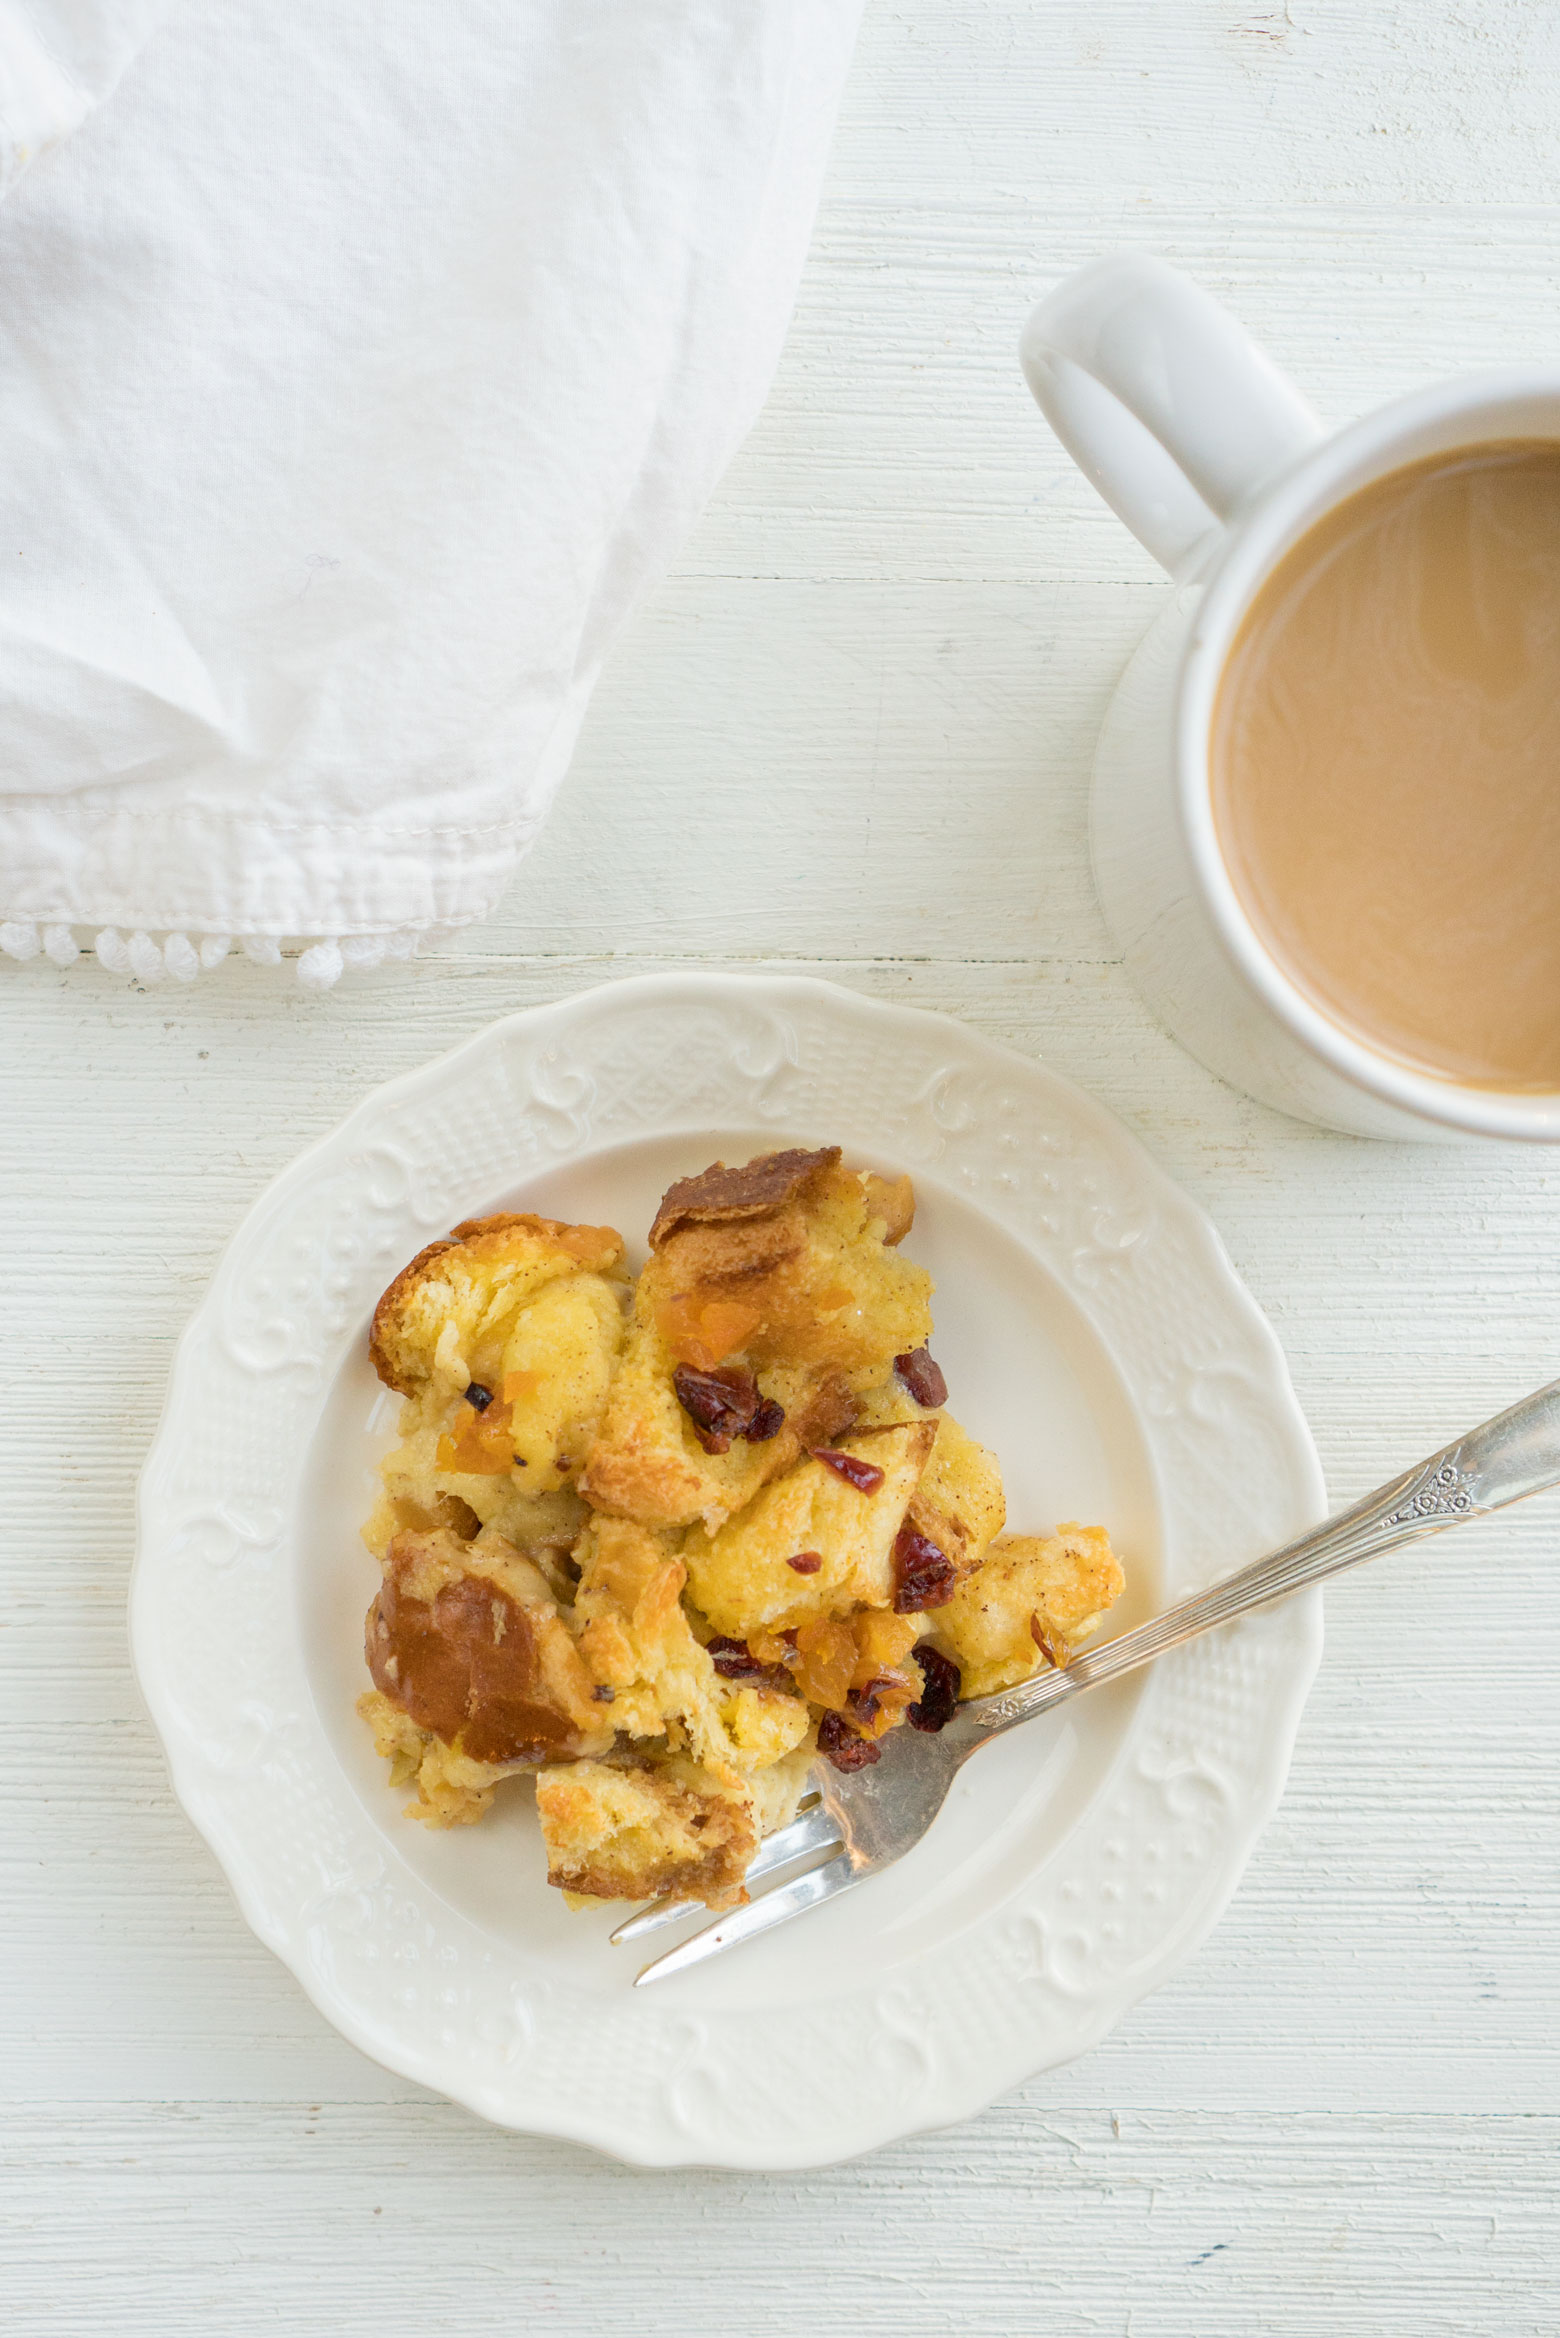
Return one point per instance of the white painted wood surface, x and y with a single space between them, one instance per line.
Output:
853 733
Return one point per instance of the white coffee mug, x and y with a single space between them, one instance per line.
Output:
1218 466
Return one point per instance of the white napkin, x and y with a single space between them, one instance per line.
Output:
58 59
361 364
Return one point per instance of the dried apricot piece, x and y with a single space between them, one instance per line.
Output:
480 1445
703 1331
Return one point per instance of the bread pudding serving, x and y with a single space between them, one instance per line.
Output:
662 1542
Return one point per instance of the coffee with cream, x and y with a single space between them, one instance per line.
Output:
1386 765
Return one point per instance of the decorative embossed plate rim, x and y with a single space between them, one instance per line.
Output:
659 2077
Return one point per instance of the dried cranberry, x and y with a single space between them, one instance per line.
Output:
922 1377
479 1396
939 1696
845 1747
865 1476
865 1701
724 1404
806 1562
723 1399
923 1575
767 1422
734 1659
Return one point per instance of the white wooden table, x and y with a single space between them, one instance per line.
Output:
852 734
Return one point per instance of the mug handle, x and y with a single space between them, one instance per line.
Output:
1161 399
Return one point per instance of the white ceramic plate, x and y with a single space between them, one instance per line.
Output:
1091 1329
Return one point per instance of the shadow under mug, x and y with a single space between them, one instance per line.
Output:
1218 466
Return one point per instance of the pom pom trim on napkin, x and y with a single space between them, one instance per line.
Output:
177 957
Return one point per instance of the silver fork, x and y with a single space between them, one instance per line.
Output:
860 1823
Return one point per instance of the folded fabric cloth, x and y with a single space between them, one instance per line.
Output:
58 59
361 365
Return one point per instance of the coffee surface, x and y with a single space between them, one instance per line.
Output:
1386 765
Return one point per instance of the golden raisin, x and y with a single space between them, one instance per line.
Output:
882 1640
825 1661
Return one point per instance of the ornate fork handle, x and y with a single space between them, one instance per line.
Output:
1516 1453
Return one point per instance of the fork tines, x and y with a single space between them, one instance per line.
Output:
775 1907
813 1829
811 1835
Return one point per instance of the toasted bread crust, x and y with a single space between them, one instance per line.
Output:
387 1314
681 1833
589 1246
576 1239
893 1200
465 1638
718 1196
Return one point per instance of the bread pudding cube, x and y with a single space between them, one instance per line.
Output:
637 1642
632 1830
781 1273
503 1339
959 1504
1059 1585
467 1647
419 1496
445 1317
741 1577
558 1364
